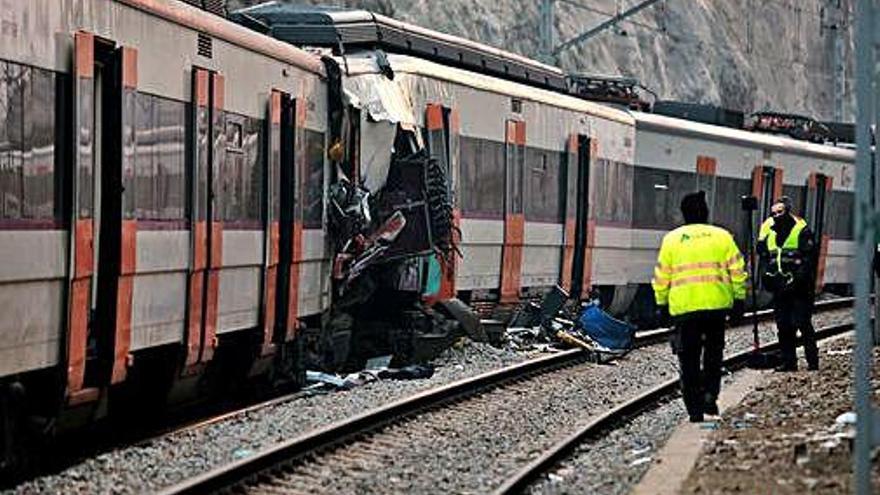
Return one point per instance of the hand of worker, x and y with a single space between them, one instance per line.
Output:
736 312
662 316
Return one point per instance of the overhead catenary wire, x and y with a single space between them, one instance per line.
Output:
685 38
767 57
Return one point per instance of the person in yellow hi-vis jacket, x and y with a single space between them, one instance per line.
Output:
700 278
787 248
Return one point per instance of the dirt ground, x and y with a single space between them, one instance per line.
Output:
785 437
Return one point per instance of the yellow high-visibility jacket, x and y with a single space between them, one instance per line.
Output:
790 243
699 268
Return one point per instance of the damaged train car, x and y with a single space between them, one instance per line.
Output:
549 187
540 180
390 222
191 204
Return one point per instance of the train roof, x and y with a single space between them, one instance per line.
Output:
352 33
365 62
649 121
342 29
197 19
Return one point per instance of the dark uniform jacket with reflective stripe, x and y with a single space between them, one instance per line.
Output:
799 262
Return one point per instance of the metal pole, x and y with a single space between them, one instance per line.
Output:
838 56
876 166
864 232
546 32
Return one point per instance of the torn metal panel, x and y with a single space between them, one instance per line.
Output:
377 142
385 104
382 98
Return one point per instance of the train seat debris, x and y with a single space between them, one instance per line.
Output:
605 329
588 327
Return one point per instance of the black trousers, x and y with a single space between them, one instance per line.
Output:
699 344
794 312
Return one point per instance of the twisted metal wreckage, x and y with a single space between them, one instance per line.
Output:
391 226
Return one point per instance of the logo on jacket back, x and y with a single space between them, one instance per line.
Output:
686 237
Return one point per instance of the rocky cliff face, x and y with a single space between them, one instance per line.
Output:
743 54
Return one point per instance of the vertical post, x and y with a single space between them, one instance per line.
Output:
875 164
749 10
838 54
546 31
864 232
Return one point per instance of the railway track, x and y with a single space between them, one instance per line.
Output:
645 401
642 339
268 470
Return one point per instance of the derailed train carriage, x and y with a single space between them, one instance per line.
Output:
187 203
561 189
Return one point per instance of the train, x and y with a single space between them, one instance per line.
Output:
190 201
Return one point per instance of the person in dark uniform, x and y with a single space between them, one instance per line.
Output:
699 280
788 255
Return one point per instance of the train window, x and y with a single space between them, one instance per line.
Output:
728 213
242 178
482 178
839 210
159 181
27 143
613 201
170 160
144 170
233 135
657 194
798 200
543 186
651 198
313 190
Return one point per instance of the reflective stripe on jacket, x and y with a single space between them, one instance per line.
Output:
791 243
699 268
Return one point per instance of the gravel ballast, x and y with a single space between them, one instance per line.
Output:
177 456
787 436
614 463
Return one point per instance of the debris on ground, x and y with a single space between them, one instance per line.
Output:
321 380
556 323
793 435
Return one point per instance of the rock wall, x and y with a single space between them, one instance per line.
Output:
744 54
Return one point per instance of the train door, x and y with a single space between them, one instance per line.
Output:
818 188
575 272
766 186
514 220
100 292
206 228
289 227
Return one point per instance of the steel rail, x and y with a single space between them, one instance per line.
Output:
622 412
650 337
337 433
642 339
276 458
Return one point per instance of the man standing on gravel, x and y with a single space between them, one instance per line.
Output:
700 278
787 250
